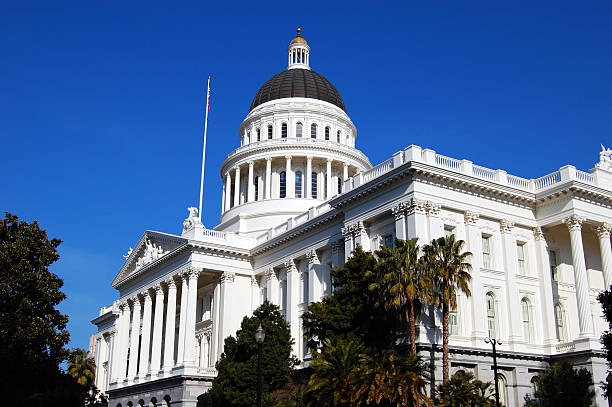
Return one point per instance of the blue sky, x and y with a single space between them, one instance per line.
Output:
101 106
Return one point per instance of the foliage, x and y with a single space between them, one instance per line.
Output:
236 382
463 390
82 368
448 266
562 386
605 299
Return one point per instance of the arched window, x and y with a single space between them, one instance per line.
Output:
298 130
502 386
526 319
284 130
313 130
339 185
338 136
269 132
283 185
491 323
560 322
298 184
258 135
327 133
313 191
257 188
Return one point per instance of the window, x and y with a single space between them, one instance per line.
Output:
452 322
560 322
258 135
339 185
269 132
552 256
520 254
283 299
491 324
283 185
257 188
284 130
304 279
313 131
448 230
526 320
298 184
338 136
314 185
486 251
327 133
388 241
248 137
298 130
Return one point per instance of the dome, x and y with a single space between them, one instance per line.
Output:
298 38
298 83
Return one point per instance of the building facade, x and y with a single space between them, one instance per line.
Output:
298 197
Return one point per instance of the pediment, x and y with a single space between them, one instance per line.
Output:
151 248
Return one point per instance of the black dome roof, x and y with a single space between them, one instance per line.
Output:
298 83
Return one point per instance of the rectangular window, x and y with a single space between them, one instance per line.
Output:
258 135
452 323
283 299
552 255
520 255
305 287
388 241
269 132
448 230
486 251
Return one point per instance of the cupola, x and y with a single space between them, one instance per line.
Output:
299 52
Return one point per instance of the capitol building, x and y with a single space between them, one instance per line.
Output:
298 196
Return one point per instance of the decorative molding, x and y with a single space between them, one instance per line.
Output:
158 289
574 223
254 281
150 253
146 295
416 206
399 211
603 230
192 220
312 257
290 265
193 272
227 277
271 275
538 234
433 209
471 218
506 226
171 283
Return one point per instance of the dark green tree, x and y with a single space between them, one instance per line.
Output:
463 390
33 332
605 299
562 386
236 381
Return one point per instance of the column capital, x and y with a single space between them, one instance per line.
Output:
330 160
254 280
268 159
184 276
470 218
506 226
433 209
603 230
309 158
158 289
574 222
236 167
538 234
312 257
288 157
347 232
227 276
290 265
416 206
171 283
271 274
399 211
345 165
146 295
251 163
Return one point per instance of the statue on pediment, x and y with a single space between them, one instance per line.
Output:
605 159
151 253
192 220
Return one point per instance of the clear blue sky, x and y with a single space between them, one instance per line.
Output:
101 108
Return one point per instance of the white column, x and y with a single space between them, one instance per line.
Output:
268 178
133 366
215 325
574 224
436 227
206 352
97 361
180 354
603 233
290 189
237 186
328 175
314 277
345 174
254 293
515 331
251 186
223 195
293 294
347 233
476 300
416 220
228 191
225 296
145 339
158 321
201 350
360 236
121 350
170 328
544 272
399 213
191 316
308 177
272 286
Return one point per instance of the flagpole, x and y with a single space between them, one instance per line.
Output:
204 147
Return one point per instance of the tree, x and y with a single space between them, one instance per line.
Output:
400 283
463 390
236 381
33 332
82 368
449 269
605 299
562 386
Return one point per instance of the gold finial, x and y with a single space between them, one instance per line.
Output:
298 38
299 32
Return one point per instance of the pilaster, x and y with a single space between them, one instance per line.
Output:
546 293
293 293
603 233
158 321
416 220
314 277
145 340
515 333
476 300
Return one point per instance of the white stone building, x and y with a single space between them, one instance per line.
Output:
298 197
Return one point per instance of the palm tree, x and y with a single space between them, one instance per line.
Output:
81 367
400 282
450 272
464 390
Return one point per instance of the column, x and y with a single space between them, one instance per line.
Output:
272 286
170 329
158 322
477 302
290 178
314 277
574 224
145 339
180 354
205 351
237 186
251 186
223 195
515 331
254 293
133 365
191 316
268 178
97 361
308 177
603 233
225 297
347 233
344 174
111 349
416 220
228 191
436 227
329 179
361 236
293 294
548 305
115 358
399 213
215 325
122 348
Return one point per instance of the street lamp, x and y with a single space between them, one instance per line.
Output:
494 343
260 335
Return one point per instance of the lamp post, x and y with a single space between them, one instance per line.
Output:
260 335
494 343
